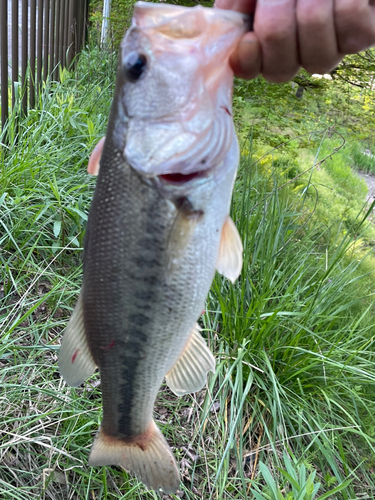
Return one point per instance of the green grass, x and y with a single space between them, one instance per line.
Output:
293 392
363 158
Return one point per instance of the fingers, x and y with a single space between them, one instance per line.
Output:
276 27
315 34
246 61
244 6
272 48
318 49
355 25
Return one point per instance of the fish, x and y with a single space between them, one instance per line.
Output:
158 228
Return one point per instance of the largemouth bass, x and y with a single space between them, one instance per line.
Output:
158 228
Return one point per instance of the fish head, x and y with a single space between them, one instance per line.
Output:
175 88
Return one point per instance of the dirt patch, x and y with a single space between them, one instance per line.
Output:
370 181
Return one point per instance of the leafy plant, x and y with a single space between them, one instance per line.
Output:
297 484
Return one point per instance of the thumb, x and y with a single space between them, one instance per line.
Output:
246 61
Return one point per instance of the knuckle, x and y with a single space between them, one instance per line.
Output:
248 75
311 17
355 26
350 9
320 63
320 69
356 43
280 76
270 34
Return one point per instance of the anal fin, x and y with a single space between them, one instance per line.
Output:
229 261
147 456
75 360
189 374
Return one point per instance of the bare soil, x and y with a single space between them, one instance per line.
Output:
370 181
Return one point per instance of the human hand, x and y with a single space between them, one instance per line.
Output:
288 34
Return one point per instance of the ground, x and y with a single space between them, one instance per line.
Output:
370 181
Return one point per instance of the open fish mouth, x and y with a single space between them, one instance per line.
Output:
189 180
178 178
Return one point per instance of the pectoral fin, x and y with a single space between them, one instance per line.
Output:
94 161
229 261
183 229
189 374
75 359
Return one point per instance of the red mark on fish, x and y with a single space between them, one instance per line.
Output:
75 355
108 347
226 109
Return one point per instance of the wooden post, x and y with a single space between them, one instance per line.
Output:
52 40
24 52
4 60
46 40
71 30
39 59
14 49
32 51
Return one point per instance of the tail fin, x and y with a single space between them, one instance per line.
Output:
147 456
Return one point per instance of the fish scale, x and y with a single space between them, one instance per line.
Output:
128 269
156 234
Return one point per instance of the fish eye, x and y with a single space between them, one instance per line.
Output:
134 65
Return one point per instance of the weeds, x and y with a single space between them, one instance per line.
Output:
363 158
301 487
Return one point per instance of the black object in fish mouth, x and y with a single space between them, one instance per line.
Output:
182 178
